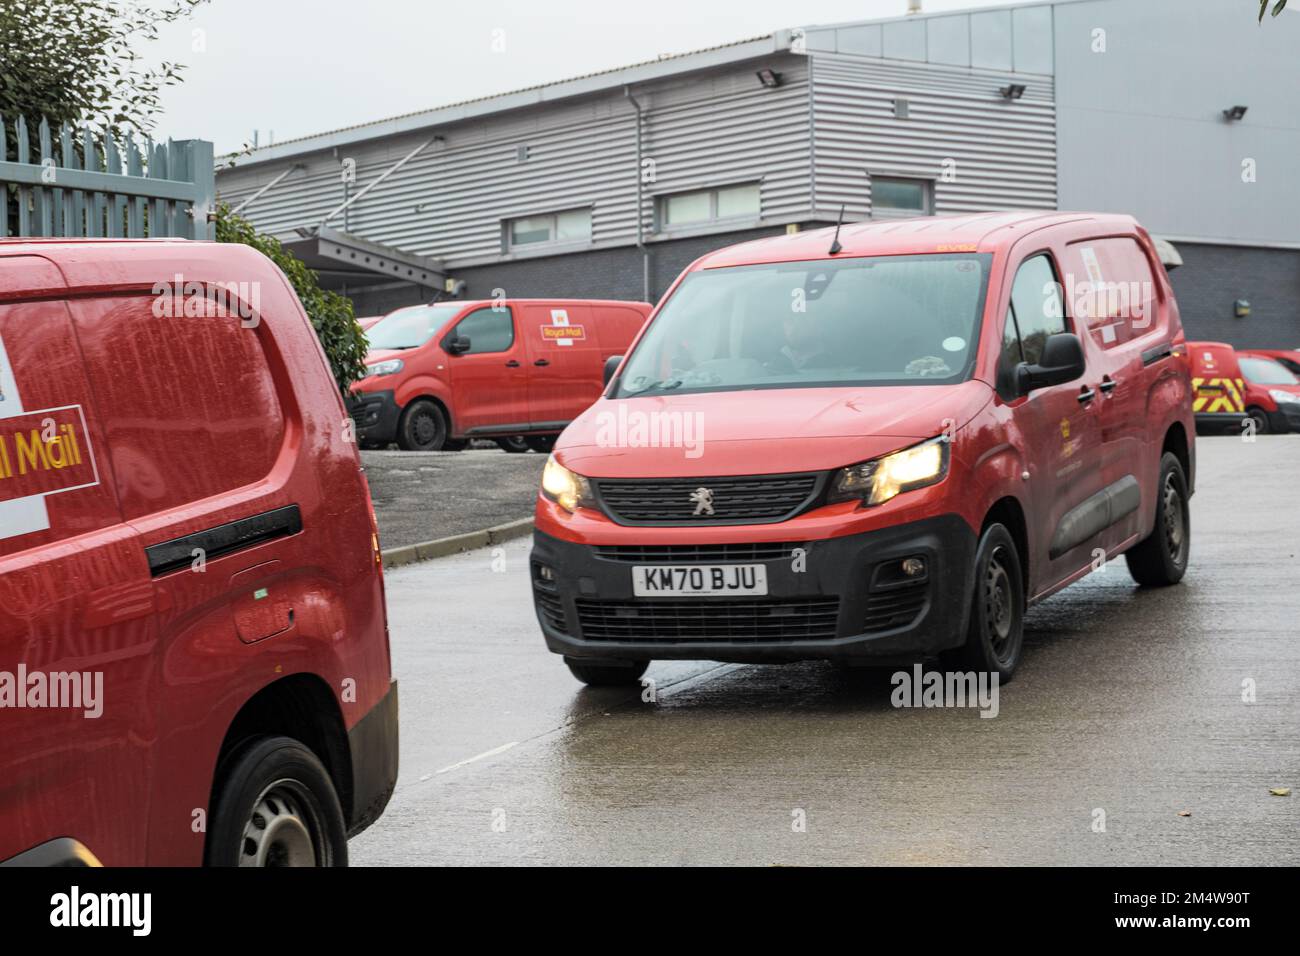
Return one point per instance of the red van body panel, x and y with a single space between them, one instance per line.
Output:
225 552
1055 453
549 372
1265 399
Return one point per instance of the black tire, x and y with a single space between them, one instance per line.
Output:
607 675
275 805
1160 559
422 427
542 443
514 445
1260 418
995 634
458 444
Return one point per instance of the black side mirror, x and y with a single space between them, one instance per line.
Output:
458 345
1061 361
611 366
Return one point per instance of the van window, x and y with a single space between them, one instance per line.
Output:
1036 306
882 320
411 327
187 402
1266 372
54 481
488 330
1112 291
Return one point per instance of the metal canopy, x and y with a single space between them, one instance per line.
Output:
344 261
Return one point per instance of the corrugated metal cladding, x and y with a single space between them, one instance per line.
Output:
449 202
981 150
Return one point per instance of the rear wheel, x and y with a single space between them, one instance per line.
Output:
514 445
996 632
541 443
612 674
1160 559
422 427
275 806
1260 418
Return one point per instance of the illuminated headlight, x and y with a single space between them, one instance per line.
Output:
875 482
386 368
1280 396
566 489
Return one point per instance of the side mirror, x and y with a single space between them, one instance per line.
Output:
1061 361
611 366
458 345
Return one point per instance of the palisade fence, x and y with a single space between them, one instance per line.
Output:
90 184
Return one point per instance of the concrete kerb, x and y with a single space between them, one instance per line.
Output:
456 544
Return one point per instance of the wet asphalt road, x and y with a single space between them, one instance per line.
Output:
1129 702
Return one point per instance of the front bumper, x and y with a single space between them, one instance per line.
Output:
1286 418
1220 421
375 416
844 599
372 743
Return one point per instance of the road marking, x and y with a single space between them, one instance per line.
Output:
491 753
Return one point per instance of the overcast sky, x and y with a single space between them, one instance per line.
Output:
296 67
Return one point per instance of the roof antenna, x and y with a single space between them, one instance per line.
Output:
836 248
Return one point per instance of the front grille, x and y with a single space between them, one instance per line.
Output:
894 607
697 553
739 622
552 610
756 498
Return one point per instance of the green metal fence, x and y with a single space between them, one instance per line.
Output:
88 184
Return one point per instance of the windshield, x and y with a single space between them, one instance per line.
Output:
411 327
1266 372
884 320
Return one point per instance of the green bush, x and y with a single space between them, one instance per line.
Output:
331 314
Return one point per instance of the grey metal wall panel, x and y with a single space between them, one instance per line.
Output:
904 39
1004 152
948 40
1031 39
863 40
449 202
990 40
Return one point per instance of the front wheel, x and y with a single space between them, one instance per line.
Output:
542 443
613 674
1160 559
275 806
996 633
1260 418
422 427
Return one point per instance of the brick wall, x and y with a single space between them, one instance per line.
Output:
1211 278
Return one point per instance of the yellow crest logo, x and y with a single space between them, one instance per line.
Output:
1065 428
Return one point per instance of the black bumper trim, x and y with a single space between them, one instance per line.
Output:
840 568
372 743
375 416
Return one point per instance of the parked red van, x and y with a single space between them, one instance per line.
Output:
194 660
1290 358
1272 394
452 371
1218 387
872 445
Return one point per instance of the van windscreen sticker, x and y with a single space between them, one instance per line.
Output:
560 331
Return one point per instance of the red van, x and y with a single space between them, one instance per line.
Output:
451 371
194 660
1272 394
1289 358
1218 388
872 445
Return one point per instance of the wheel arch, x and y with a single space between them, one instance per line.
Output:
1008 511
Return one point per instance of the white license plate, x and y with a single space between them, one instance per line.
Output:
669 580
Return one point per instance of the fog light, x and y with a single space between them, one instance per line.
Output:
914 567
545 573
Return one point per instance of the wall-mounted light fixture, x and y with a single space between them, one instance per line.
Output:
1013 91
1241 308
1235 113
769 78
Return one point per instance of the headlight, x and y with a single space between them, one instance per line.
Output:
386 368
1280 396
568 490
875 482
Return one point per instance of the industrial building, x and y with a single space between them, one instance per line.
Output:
1181 112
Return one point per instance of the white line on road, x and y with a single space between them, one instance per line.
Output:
491 753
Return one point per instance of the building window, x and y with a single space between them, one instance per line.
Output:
708 205
901 197
573 225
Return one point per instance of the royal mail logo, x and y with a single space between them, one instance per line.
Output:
45 452
565 333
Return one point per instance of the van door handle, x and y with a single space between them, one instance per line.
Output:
542 362
1086 395
1107 385
513 363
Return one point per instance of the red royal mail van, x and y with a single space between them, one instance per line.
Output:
1272 394
874 445
1218 388
488 369
194 661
